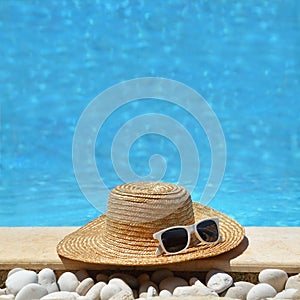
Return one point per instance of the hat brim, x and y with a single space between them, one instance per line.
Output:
86 244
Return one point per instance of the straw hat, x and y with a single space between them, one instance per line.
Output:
123 236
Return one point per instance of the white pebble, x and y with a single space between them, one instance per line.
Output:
197 282
204 289
193 291
46 276
12 271
121 284
261 291
109 290
151 292
293 282
170 283
164 294
82 274
84 286
68 282
287 294
83 298
31 291
60 296
7 297
122 295
2 292
47 279
275 277
94 292
161 274
127 278
218 280
16 281
239 290
245 284
53 287
75 294
143 295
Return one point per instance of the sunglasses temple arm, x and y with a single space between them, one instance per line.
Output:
159 250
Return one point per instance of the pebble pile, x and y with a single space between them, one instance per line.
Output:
24 284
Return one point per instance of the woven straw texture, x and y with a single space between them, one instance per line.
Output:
123 236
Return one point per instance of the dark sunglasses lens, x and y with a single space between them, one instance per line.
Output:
175 239
208 230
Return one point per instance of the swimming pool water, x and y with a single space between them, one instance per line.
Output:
243 57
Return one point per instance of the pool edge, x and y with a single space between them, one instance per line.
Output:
264 247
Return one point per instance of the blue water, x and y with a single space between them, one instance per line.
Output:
243 57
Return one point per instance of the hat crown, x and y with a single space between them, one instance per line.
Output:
143 202
137 210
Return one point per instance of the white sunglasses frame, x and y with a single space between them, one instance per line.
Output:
190 229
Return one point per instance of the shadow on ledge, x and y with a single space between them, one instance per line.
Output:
222 262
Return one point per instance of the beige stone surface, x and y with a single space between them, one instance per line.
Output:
31 247
263 247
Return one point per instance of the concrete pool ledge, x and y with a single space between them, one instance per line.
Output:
264 247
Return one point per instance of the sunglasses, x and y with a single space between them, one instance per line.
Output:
176 239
